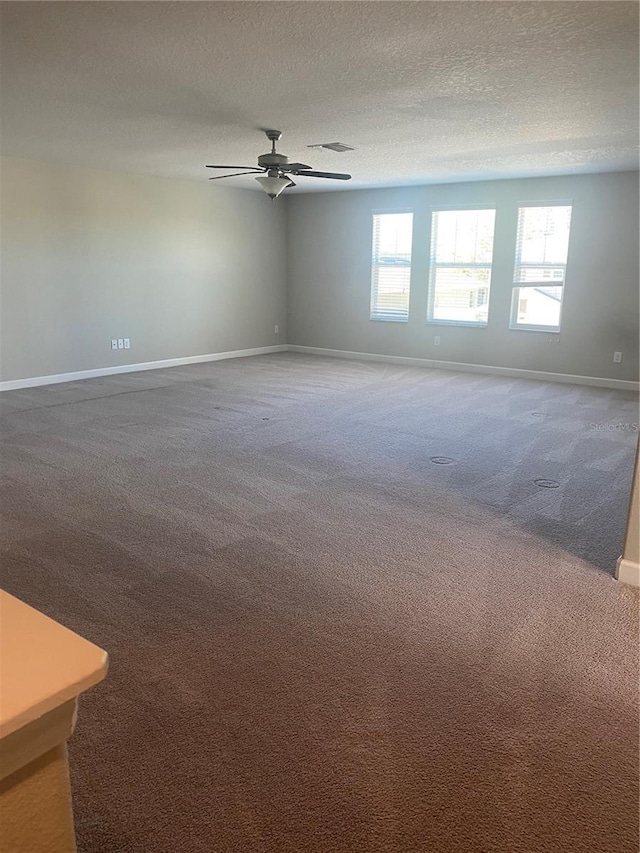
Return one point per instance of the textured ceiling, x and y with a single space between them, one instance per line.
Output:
424 91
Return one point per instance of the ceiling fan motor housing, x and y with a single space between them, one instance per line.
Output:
272 161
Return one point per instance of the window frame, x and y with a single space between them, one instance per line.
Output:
433 265
514 326
381 318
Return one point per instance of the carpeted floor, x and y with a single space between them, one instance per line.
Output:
322 641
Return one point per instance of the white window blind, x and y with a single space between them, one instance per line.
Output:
460 266
391 266
542 246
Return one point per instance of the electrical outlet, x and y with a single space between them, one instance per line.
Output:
436 341
120 343
114 343
276 329
617 358
127 343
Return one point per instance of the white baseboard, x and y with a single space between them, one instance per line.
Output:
597 381
53 379
628 572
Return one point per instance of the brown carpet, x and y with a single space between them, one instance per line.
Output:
322 641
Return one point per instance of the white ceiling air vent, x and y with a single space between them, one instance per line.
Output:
332 146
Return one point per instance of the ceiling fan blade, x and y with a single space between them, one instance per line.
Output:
295 167
311 174
235 175
291 184
230 167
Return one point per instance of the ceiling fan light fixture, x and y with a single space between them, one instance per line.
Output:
273 186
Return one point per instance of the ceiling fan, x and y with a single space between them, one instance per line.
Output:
274 170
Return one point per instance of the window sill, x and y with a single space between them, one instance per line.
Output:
469 324
547 330
389 319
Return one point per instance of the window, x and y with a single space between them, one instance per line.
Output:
460 269
541 262
391 266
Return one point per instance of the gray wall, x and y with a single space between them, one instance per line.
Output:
187 269
178 267
329 272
